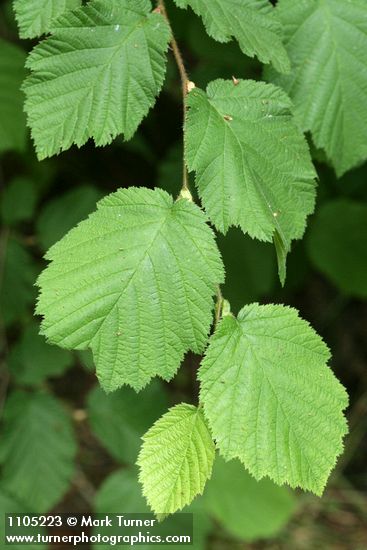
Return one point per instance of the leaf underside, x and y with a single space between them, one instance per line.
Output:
252 163
97 75
251 22
135 283
327 42
176 459
270 398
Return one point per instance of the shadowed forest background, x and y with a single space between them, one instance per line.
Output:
326 281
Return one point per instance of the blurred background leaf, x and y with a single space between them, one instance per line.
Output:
241 504
61 214
37 450
10 506
121 418
337 245
18 201
13 130
251 270
17 292
31 360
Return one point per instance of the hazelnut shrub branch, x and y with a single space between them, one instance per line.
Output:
136 281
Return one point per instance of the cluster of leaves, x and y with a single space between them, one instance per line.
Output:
135 281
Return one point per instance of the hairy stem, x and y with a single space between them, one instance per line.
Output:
176 52
186 86
185 82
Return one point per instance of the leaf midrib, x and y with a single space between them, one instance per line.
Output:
194 421
130 280
272 219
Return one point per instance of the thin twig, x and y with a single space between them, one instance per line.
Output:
176 52
185 83
186 86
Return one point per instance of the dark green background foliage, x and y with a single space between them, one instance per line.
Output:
51 403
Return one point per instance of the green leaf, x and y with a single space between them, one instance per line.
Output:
37 450
35 17
120 419
253 167
17 282
61 214
251 22
247 509
18 201
32 360
97 75
9 505
337 244
326 41
135 281
270 398
176 459
13 131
